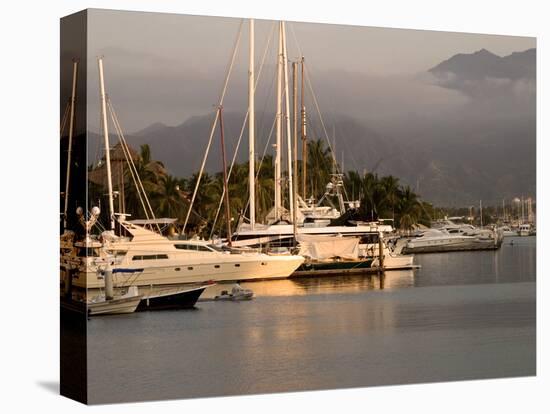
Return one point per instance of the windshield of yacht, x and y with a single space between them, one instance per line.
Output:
194 247
217 248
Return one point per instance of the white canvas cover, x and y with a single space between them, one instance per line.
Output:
327 247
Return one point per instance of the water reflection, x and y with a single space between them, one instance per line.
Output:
470 319
321 285
514 262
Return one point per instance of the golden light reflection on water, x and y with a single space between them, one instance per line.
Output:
321 285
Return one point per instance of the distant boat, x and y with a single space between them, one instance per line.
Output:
524 230
442 240
508 232
237 293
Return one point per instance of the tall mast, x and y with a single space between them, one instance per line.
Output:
251 157
278 121
225 183
70 144
288 132
295 158
106 142
304 136
481 213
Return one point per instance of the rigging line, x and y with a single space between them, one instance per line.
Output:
263 157
344 133
134 174
64 119
243 126
261 123
121 135
308 81
310 87
117 125
127 156
99 141
234 159
213 129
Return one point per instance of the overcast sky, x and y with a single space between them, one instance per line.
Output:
168 67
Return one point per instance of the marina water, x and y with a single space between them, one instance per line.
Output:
465 315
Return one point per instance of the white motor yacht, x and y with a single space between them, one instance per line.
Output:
524 230
173 262
442 240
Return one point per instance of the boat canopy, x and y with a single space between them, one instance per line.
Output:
327 247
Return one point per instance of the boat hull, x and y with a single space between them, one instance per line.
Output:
114 306
174 272
169 300
399 262
334 268
454 247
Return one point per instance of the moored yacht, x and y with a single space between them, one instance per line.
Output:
443 240
174 262
524 230
507 231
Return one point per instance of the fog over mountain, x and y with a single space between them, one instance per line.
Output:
451 114
436 131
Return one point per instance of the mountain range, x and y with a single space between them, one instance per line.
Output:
484 64
485 151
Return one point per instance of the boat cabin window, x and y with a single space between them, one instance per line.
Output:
184 246
216 248
150 257
88 252
193 247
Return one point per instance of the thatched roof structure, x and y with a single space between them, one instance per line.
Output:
118 165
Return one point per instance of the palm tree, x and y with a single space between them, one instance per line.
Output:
320 165
390 184
265 187
410 209
170 200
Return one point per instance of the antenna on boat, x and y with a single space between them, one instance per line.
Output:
70 143
251 157
106 141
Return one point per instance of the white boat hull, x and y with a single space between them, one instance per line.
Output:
114 307
398 262
174 272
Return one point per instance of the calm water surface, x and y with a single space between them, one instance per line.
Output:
460 316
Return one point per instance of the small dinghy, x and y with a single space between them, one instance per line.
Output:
237 293
126 303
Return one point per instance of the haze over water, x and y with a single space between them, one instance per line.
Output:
461 316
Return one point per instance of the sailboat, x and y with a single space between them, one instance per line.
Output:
285 227
165 262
